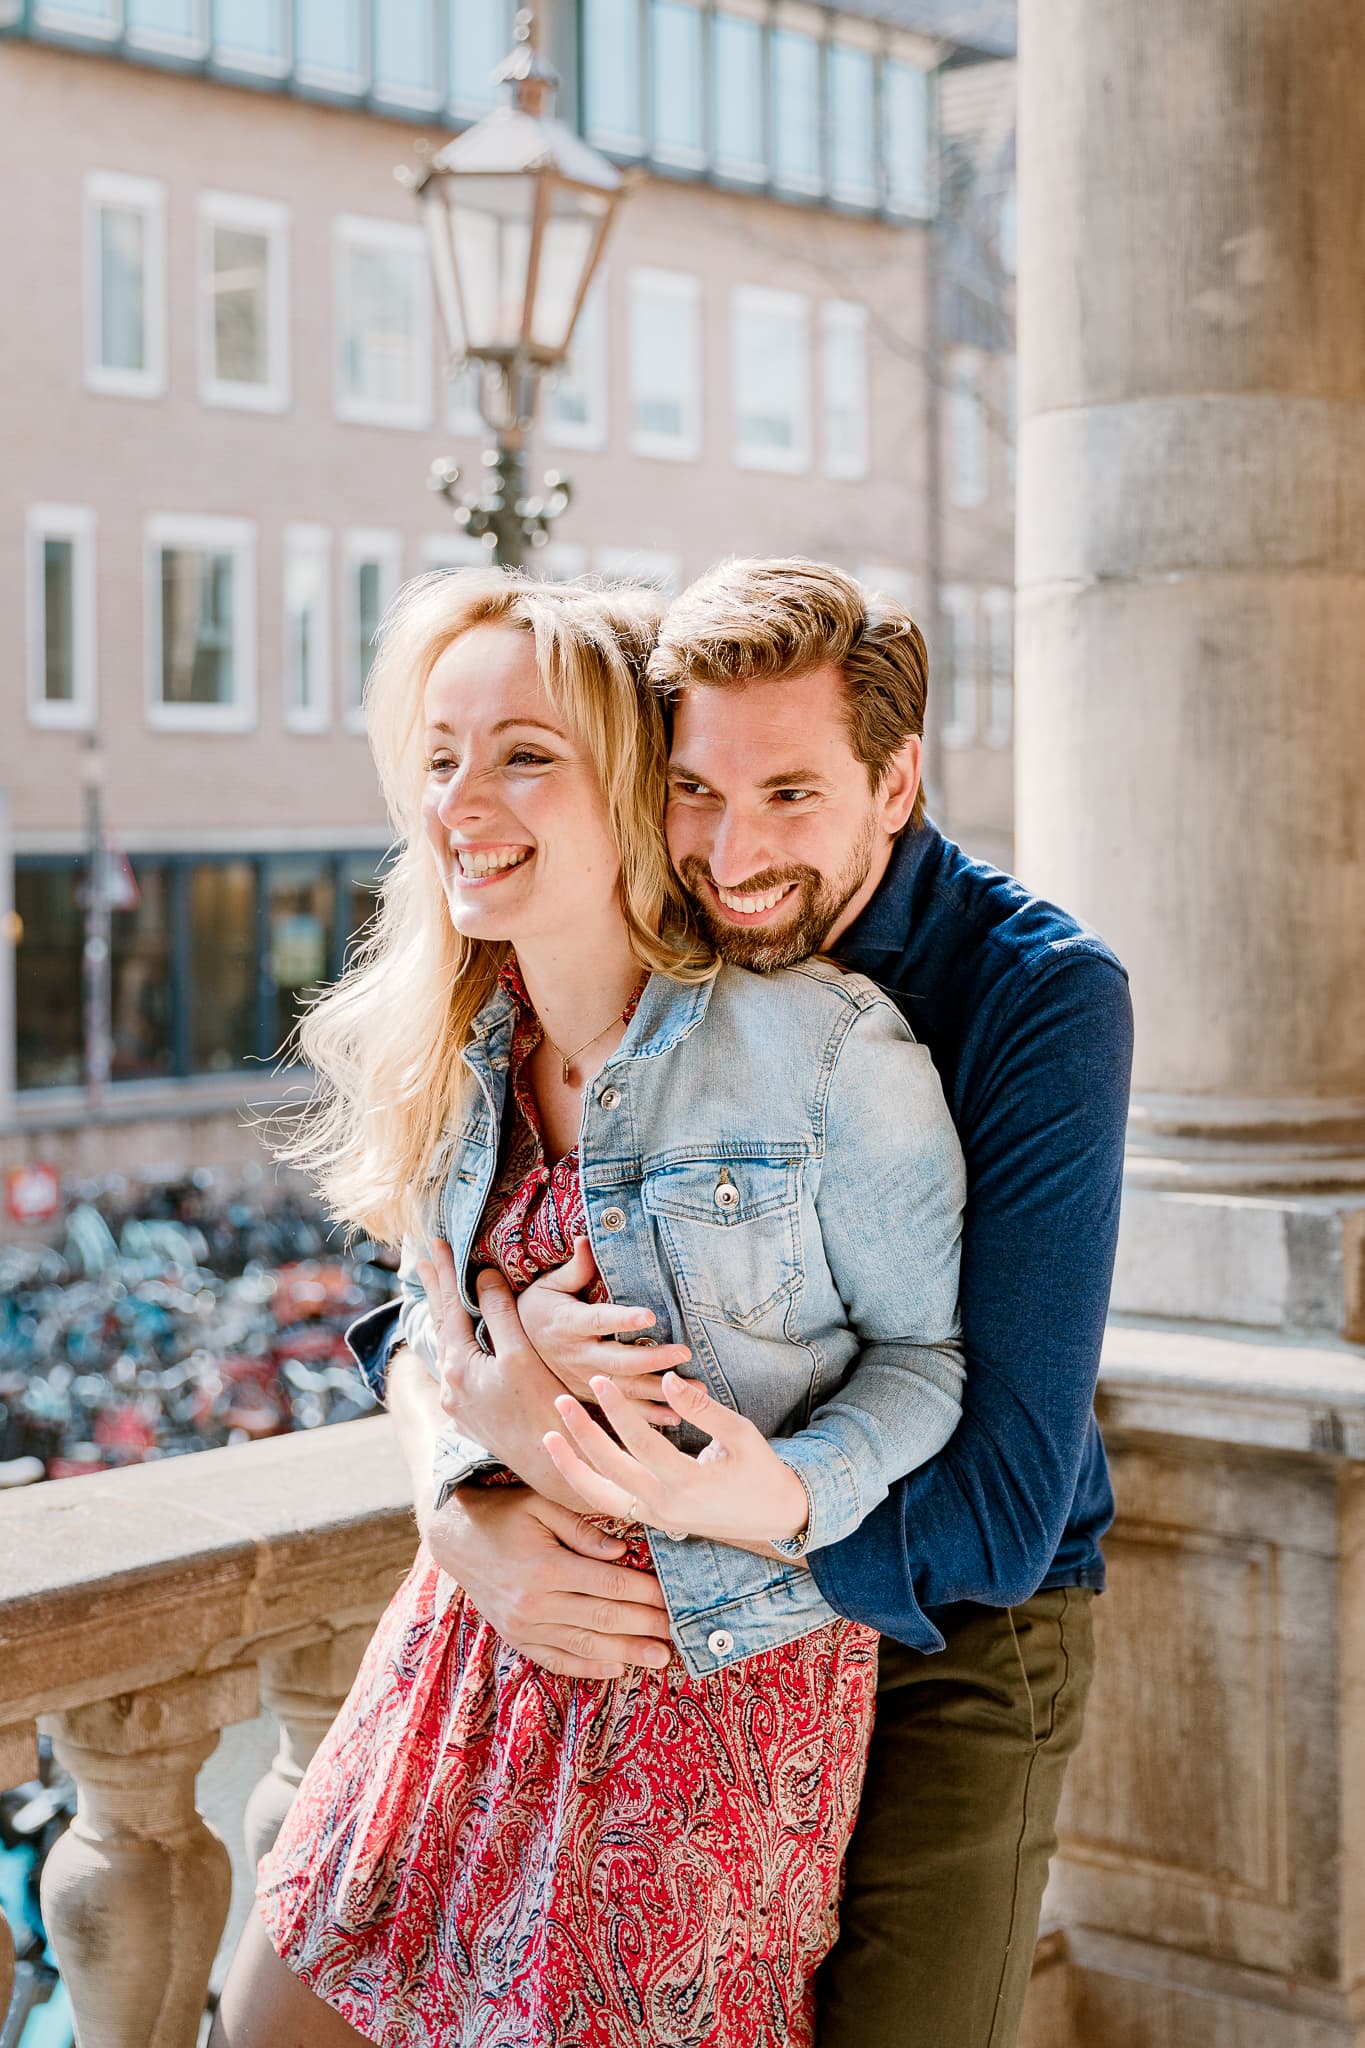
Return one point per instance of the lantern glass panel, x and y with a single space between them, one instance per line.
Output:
565 254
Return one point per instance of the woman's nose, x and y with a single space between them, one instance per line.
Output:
461 797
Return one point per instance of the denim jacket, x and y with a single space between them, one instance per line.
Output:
769 1165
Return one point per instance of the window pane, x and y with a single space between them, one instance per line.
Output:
300 910
140 978
967 425
222 965
906 90
845 393
737 95
362 899
770 380
240 284
796 109
196 626
59 621
379 345
123 256
957 667
611 69
369 610
85 10
48 976
328 35
305 605
165 17
675 79
575 397
480 37
404 47
249 26
853 160
662 364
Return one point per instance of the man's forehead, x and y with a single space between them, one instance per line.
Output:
751 718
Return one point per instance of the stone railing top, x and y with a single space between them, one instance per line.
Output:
128 1579
1239 1388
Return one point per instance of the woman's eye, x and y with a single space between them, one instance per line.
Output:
438 764
524 757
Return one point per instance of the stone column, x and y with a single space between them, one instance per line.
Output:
304 1689
135 1894
1191 557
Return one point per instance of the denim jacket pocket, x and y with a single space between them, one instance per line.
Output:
731 1233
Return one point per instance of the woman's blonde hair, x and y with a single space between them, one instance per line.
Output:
385 1042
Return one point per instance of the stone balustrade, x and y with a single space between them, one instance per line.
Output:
1208 1893
142 1612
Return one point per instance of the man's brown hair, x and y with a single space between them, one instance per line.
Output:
750 621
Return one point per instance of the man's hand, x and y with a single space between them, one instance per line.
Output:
577 1339
542 1576
503 1399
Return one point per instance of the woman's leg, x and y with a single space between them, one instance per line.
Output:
264 2005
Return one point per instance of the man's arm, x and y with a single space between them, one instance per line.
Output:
541 1574
1043 1133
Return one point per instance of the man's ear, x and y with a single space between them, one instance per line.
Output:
899 786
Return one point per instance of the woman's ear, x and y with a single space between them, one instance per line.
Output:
899 785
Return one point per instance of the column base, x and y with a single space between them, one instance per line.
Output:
1226 1145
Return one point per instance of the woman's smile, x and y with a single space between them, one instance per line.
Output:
475 866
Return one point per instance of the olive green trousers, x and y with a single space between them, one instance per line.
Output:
957 1826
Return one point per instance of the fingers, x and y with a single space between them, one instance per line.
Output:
604 1496
659 1457
689 1400
607 1646
579 1272
622 1361
441 1285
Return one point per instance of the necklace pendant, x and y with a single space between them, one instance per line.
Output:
565 1065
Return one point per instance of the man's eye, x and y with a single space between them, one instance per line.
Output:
792 796
691 789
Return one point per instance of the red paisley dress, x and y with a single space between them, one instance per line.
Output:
483 1854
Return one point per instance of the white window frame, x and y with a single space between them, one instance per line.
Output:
922 205
235 536
798 19
846 316
256 216
350 230
75 523
958 602
363 544
658 568
166 43
314 542
682 156
967 489
148 197
763 302
851 36
997 605
684 288
590 433
737 170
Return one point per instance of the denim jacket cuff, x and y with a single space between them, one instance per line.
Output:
832 1490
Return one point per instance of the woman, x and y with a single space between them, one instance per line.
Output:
533 1050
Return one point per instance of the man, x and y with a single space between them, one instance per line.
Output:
796 822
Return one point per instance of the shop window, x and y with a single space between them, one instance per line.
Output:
222 965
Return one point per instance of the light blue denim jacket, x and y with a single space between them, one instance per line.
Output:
769 1165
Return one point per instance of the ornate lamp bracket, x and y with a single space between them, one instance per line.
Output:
511 525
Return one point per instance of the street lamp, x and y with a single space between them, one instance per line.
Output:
516 211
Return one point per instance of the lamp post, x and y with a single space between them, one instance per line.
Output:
517 211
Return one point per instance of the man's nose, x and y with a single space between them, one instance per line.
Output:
737 853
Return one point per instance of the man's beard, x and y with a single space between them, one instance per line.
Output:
819 901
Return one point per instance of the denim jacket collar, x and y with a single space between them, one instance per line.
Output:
668 1011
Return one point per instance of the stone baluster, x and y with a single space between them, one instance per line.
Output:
135 1894
304 1689
18 1763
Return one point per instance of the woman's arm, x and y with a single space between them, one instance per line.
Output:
890 1207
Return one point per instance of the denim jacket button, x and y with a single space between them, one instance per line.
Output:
720 1642
613 1219
726 1195
609 1098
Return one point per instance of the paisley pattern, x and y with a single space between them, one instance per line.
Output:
485 1855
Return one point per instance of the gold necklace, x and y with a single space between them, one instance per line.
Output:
566 1059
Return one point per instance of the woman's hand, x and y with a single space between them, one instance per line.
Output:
737 1491
576 1338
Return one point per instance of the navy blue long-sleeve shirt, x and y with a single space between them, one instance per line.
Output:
1027 1015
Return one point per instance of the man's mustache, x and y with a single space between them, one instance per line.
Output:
694 869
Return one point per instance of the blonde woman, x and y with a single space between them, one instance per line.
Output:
536 1059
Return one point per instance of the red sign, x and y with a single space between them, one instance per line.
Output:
33 1193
